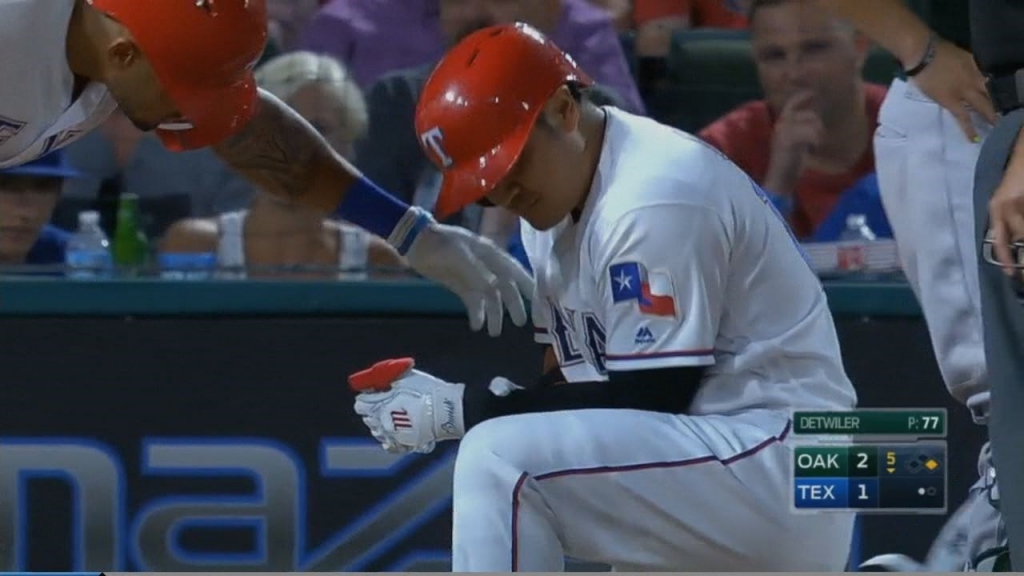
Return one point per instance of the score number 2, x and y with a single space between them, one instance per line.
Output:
930 423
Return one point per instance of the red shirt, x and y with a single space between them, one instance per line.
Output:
702 13
745 136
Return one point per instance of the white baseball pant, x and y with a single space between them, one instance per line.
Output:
637 491
925 168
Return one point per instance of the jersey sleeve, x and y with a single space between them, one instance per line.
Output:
661 278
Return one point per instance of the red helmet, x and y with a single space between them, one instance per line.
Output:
480 104
203 52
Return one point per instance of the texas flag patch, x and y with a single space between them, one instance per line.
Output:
652 291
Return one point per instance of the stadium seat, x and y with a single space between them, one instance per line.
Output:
709 72
880 67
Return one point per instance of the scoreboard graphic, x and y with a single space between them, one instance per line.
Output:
881 461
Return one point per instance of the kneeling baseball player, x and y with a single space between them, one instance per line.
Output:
685 323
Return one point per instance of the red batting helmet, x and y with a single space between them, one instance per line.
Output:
480 104
203 52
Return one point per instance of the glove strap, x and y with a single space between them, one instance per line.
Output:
409 226
446 409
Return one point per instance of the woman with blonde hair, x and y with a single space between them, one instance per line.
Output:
274 233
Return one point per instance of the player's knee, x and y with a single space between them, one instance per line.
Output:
493 454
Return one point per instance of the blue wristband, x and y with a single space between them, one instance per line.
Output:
370 207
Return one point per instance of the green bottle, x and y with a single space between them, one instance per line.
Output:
131 248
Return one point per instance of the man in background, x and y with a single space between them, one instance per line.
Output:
28 195
808 143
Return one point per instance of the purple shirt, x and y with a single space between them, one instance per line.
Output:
374 37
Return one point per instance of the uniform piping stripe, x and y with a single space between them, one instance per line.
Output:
778 439
655 355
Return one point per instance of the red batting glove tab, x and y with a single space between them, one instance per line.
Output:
380 376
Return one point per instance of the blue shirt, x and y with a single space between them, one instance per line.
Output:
861 198
49 247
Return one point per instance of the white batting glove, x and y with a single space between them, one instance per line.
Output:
486 278
406 409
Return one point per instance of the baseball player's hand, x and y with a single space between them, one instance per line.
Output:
408 410
797 132
953 81
405 409
486 278
1006 209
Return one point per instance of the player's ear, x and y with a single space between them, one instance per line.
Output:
563 111
123 53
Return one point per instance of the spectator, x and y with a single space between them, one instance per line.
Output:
621 12
374 37
138 162
28 195
287 19
391 154
809 141
275 234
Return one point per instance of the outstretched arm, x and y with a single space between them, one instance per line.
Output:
950 76
284 155
889 23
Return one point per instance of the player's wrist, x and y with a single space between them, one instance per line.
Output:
373 209
408 228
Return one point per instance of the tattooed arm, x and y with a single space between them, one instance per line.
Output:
282 154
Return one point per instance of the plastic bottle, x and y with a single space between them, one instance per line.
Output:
852 251
131 247
88 251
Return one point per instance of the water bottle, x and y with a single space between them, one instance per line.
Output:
88 251
852 250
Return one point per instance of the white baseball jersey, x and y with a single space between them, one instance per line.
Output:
37 114
678 259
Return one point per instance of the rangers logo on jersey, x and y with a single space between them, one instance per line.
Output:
652 292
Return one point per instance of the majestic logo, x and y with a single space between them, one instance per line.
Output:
652 292
432 139
644 336
9 128
401 420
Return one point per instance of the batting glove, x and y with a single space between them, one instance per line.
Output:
406 409
485 277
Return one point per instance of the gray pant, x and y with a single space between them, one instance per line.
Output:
1003 320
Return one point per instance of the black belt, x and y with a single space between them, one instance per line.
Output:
1006 91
